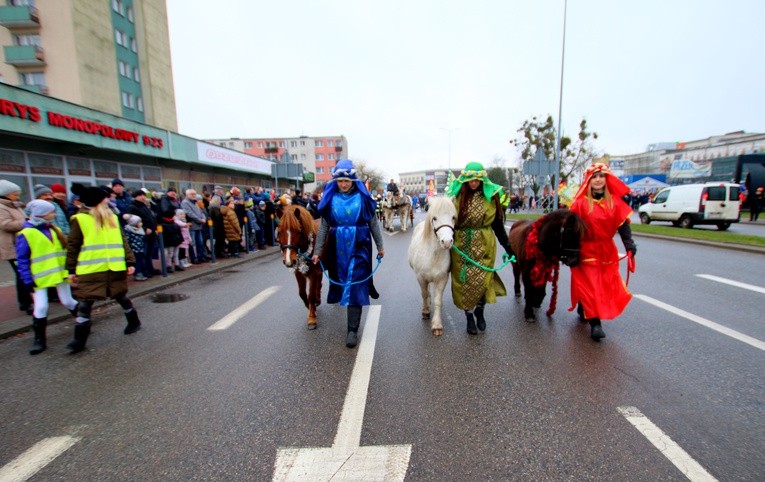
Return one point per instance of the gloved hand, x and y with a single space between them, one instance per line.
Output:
30 287
508 250
632 249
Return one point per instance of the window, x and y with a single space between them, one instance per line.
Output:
293 143
260 145
121 67
136 75
118 37
331 157
133 44
319 143
32 78
282 144
319 157
128 100
130 14
116 5
140 104
339 143
319 170
293 157
248 145
302 143
716 193
330 143
27 39
302 157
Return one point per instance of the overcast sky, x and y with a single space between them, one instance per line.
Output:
398 77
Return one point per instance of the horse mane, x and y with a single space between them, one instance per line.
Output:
293 217
550 229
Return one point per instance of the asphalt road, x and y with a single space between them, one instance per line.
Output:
521 401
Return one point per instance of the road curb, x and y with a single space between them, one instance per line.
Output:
713 244
57 313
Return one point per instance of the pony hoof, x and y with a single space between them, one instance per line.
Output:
426 316
438 331
311 326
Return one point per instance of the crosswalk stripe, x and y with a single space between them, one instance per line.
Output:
679 457
38 456
704 322
238 313
731 282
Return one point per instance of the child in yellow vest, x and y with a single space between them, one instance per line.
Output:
41 255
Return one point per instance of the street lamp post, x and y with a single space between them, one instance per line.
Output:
449 131
560 112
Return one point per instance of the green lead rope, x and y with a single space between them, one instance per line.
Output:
506 258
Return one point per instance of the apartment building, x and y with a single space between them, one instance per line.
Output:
318 155
109 55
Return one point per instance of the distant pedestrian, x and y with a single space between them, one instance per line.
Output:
41 256
756 204
197 216
231 227
11 222
99 261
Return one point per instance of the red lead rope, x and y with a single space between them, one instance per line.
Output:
630 265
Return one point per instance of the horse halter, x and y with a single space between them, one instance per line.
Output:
435 230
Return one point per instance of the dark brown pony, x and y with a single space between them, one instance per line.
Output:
539 248
297 236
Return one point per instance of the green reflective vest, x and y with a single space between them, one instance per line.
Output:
102 249
48 258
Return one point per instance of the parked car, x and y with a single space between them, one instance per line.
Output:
691 204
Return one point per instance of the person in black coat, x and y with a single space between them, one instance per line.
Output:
268 232
139 206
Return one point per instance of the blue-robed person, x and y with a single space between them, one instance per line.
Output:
348 225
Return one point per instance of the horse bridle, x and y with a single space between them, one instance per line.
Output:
435 230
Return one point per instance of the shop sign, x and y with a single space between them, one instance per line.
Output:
33 114
217 156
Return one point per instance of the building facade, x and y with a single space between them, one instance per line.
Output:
109 55
318 155
711 159
44 140
430 182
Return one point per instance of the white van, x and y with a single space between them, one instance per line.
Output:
691 204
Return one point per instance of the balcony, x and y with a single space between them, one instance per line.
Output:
38 89
13 17
24 55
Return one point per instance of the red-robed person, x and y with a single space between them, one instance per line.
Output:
596 285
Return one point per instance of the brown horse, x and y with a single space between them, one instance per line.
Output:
539 247
296 235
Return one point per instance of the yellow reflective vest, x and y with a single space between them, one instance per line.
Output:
48 258
102 249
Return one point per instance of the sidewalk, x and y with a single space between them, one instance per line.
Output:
13 321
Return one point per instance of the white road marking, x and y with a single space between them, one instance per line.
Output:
704 322
679 457
38 456
346 460
737 284
234 316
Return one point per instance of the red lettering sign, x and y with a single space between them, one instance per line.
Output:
23 111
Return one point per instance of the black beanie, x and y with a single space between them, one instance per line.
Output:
89 196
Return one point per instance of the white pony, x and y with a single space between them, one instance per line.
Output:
429 256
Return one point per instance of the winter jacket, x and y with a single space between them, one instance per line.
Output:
11 222
231 224
24 252
167 208
95 286
185 236
194 214
144 212
135 238
123 204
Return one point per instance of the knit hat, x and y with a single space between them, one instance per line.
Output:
235 191
218 188
248 203
178 212
171 189
116 181
56 187
138 192
474 171
89 196
7 187
133 220
262 203
41 189
344 170
39 208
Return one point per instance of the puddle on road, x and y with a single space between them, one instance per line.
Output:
168 297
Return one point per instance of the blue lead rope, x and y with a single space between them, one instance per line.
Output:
379 262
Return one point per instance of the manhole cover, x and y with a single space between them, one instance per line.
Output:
168 297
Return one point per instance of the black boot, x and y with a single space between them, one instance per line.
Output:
580 312
39 325
354 320
81 333
73 311
596 330
471 329
134 324
372 290
480 320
